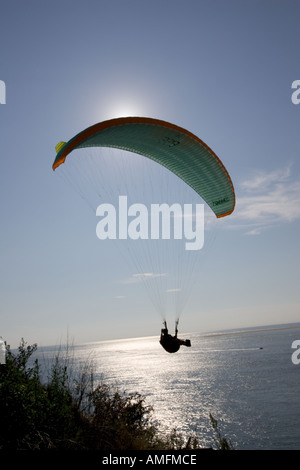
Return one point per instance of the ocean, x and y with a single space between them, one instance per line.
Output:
246 379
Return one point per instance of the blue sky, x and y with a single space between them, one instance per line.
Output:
221 69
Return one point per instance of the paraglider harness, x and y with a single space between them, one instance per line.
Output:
171 343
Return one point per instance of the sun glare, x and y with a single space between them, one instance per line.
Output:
123 107
126 109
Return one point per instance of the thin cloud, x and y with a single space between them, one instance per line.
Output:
269 199
139 277
262 180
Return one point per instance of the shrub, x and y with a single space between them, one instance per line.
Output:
67 412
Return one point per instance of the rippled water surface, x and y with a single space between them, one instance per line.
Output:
247 381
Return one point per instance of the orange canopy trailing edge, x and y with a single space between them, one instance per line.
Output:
177 149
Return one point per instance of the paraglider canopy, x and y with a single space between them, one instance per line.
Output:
175 148
180 152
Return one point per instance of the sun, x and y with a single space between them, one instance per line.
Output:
125 109
123 105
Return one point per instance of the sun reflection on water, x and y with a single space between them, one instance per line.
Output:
174 384
245 387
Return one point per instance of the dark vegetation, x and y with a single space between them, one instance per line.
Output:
65 411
